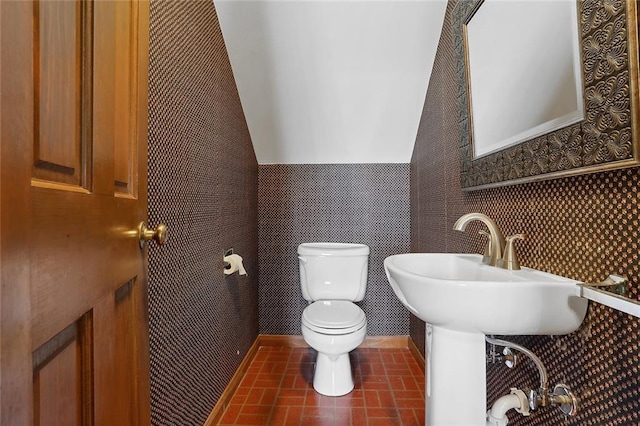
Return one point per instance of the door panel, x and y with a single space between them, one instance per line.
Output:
78 79
62 85
125 100
124 372
63 377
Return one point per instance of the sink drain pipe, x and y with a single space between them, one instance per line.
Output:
517 399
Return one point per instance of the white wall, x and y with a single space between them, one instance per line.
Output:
332 81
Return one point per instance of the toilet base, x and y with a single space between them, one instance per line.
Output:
332 375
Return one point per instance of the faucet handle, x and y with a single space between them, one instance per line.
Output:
510 258
486 257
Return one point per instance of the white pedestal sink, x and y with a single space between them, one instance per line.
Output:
462 300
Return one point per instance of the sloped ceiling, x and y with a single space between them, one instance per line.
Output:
332 81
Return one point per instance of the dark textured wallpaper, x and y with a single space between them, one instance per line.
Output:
348 203
203 185
583 227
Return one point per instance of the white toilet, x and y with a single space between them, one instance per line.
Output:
333 276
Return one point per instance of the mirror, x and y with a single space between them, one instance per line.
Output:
545 89
530 96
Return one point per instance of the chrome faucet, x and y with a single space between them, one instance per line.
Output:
496 239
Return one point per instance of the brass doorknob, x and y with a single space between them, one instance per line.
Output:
145 234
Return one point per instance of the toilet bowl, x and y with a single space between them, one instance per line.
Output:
333 328
332 277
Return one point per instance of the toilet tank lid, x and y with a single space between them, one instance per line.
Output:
333 249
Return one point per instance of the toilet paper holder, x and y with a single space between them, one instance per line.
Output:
232 263
229 252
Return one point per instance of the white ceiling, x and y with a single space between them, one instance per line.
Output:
332 81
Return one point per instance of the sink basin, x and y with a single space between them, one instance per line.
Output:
462 300
458 292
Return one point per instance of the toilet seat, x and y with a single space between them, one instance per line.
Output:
333 317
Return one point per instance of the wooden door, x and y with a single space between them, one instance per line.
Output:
74 315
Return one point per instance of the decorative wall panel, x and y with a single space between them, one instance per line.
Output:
348 203
582 227
203 185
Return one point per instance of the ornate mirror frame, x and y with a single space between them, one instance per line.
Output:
608 137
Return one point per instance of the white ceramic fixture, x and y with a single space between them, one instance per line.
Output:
462 300
332 277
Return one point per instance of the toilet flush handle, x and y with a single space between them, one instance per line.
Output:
302 259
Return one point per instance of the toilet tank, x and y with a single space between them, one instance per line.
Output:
333 271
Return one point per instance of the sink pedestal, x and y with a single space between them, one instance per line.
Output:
455 377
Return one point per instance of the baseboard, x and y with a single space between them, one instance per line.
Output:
386 342
417 355
225 398
290 341
282 340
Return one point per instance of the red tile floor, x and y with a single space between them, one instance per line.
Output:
277 390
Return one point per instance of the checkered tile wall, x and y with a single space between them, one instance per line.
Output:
203 185
358 203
